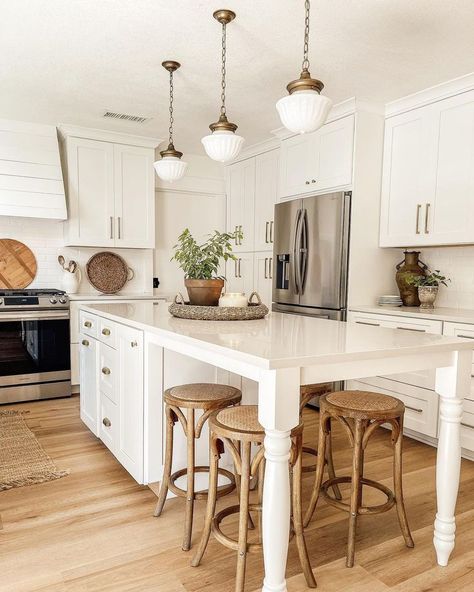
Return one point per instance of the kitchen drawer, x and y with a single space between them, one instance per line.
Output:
463 330
421 405
108 422
422 378
108 372
88 324
107 332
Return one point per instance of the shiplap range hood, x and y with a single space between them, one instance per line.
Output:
31 180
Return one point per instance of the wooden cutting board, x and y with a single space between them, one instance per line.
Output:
17 264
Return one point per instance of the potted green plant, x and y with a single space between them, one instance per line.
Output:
200 263
428 286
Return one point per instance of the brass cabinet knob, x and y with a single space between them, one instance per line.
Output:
105 331
307 182
87 324
106 421
106 370
133 344
85 342
313 180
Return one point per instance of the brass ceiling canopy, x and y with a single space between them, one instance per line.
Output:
224 16
171 66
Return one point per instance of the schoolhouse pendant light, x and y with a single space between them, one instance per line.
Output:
305 109
170 168
223 144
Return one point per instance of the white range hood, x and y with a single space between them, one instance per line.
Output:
31 179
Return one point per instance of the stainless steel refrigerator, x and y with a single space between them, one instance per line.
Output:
310 255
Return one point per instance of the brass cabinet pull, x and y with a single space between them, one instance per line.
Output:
271 231
106 421
133 344
111 227
119 223
240 236
236 231
240 260
366 323
266 263
427 213
105 331
418 209
85 342
411 329
235 268
266 232
87 324
465 336
106 370
413 409
270 268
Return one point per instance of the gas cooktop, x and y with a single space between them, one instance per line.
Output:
33 299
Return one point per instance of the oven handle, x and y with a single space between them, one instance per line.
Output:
34 315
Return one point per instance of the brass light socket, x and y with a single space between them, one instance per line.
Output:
224 16
170 151
170 65
223 125
305 82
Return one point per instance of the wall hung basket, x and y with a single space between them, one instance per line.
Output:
183 310
108 272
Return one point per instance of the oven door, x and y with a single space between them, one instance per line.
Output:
34 349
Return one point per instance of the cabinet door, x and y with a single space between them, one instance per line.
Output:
241 202
449 209
266 194
295 165
89 385
130 401
134 197
263 274
404 179
90 165
239 274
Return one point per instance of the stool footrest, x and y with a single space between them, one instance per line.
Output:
226 540
379 509
202 494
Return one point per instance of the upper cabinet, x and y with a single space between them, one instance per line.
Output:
428 175
318 161
266 194
110 190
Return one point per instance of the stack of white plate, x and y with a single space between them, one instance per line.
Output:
390 300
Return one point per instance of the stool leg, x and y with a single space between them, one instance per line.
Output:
356 486
237 482
261 477
188 519
318 479
297 515
330 463
211 502
165 480
397 479
243 518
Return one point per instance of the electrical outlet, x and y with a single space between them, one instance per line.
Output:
156 282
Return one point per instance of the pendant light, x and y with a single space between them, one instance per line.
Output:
223 144
170 168
305 109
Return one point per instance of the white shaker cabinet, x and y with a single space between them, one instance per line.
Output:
428 175
317 162
263 275
266 194
241 202
89 378
239 274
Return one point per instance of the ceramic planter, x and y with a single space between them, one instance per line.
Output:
204 292
427 296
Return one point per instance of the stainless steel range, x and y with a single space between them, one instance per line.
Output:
35 358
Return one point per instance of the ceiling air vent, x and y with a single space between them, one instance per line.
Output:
125 117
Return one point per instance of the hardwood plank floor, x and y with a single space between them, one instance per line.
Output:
93 531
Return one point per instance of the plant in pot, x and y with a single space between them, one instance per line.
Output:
428 286
200 263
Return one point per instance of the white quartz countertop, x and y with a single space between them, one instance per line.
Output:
455 315
279 340
120 296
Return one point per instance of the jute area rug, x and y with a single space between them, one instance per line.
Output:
22 459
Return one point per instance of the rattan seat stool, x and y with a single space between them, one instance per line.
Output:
236 429
361 413
207 398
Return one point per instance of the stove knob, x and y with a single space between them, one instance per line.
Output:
63 299
53 300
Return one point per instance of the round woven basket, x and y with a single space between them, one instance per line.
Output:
183 310
108 272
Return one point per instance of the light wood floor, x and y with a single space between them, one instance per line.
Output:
94 531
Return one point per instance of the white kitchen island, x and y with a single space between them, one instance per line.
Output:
280 353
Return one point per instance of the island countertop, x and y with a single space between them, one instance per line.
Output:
280 340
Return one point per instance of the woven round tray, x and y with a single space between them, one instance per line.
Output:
183 310
108 272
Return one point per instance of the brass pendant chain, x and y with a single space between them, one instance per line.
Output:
305 64
170 129
223 110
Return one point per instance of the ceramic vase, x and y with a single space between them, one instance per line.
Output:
411 266
427 296
70 281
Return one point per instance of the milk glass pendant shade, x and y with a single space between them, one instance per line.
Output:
170 168
304 109
223 144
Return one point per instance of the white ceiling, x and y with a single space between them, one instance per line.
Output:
67 61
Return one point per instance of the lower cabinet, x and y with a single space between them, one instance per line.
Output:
251 272
89 380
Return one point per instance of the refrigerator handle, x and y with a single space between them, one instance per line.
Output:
296 251
304 249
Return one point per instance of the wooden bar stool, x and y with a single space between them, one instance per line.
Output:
237 429
361 413
207 398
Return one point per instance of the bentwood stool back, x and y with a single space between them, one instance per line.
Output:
361 413
207 398
235 430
